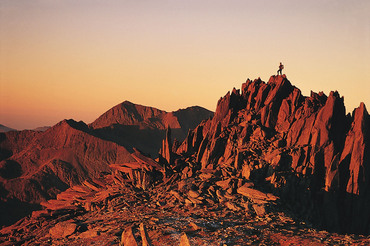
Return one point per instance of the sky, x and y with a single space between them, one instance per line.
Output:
62 59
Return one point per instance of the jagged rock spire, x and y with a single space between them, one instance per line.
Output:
166 150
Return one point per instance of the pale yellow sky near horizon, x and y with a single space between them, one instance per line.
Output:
77 59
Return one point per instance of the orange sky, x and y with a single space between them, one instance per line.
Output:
77 59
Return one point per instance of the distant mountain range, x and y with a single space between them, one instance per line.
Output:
144 127
37 165
8 129
41 128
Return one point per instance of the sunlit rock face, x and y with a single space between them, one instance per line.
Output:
307 148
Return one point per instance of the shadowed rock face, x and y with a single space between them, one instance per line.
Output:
312 153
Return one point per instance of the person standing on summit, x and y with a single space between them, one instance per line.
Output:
281 67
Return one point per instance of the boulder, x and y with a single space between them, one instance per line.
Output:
63 229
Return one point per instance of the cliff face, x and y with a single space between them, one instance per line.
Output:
306 148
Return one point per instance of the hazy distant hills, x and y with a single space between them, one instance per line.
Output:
8 129
5 128
37 165
41 128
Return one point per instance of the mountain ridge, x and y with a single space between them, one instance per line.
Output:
128 113
138 123
37 165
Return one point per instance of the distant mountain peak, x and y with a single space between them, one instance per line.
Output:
130 114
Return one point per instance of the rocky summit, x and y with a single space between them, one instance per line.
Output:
304 149
271 167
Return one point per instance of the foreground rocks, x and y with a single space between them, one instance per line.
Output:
205 208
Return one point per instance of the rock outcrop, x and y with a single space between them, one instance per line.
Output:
307 148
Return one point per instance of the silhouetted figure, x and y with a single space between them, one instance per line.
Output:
281 67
